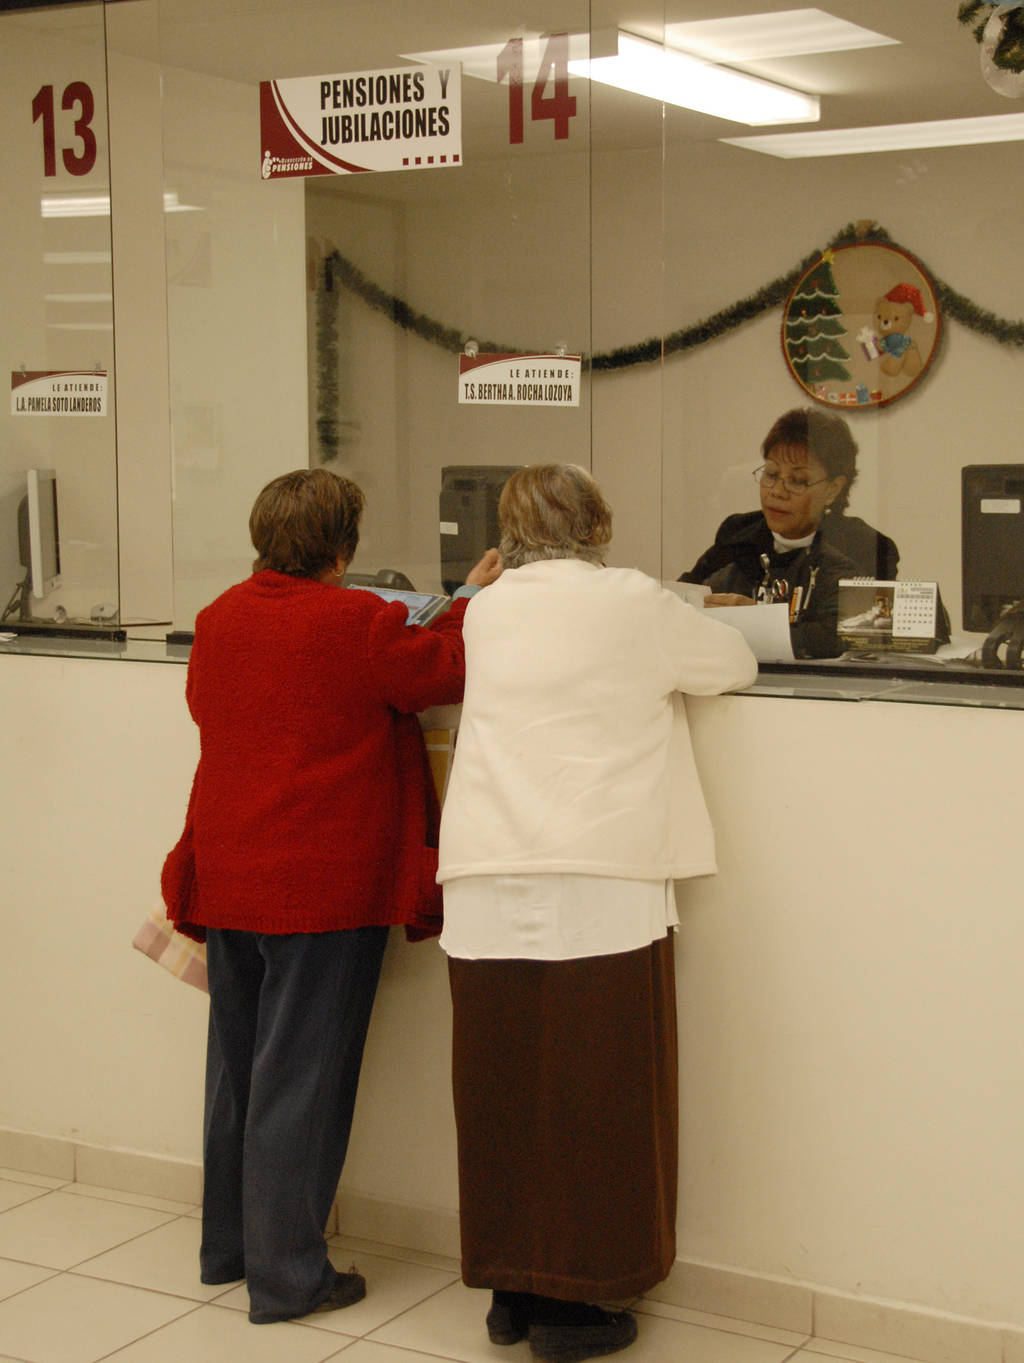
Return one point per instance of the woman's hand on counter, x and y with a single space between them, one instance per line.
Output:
727 599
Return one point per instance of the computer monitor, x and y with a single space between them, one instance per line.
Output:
992 541
38 532
469 516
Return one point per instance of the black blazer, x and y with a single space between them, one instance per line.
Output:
734 564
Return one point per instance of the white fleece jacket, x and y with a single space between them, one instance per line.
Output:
573 752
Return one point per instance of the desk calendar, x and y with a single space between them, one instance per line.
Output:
900 616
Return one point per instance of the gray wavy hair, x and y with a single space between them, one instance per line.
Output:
551 511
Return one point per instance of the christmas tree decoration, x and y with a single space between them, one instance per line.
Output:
882 295
812 325
999 28
1005 76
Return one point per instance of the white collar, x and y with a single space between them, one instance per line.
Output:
785 546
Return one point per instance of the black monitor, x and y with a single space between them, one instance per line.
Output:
992 542
38 545
469 517
39 550
38 532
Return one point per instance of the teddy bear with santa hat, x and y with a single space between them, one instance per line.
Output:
894 313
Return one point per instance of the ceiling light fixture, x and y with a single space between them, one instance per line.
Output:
786 33
75 206
98 205
662 73
78 298
76 258
946 132
481 61
79 326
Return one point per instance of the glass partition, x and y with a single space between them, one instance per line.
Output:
323 317
862 276
58 510
328 233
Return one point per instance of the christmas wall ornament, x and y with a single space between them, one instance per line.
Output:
812 328
998 40
861 325
999 29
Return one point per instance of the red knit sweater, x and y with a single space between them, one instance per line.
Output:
312 807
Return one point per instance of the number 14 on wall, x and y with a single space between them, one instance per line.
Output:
559 107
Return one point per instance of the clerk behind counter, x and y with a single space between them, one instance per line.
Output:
801 542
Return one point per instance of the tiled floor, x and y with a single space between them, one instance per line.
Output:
89 1274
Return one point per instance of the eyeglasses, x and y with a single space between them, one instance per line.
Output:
794 486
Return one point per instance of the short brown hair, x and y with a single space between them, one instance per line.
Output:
303 521
826 436
552 511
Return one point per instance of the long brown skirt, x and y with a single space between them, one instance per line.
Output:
566 1104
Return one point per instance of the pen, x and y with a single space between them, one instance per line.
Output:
810 586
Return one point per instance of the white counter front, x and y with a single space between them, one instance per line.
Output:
849 984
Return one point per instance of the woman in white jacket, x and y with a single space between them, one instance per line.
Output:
574 803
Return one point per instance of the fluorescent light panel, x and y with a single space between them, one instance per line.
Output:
78 298
482 61
648 69
748 37
75 206
76 258
98 205
790 33
947 132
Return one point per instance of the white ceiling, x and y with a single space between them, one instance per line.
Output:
931 72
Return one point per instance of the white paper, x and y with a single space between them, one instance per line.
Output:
765 628
693 593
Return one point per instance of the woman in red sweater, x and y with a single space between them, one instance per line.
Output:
312 827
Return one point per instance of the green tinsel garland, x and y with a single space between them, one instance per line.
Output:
1009 50
327 364
774 295
339 273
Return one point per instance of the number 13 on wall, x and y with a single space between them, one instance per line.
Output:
559 107
78 99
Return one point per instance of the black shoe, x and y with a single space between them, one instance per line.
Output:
348 1288
215 1276
508 1320
586 1332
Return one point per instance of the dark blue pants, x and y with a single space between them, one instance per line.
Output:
288 1020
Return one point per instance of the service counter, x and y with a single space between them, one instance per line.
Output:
849 992
936 680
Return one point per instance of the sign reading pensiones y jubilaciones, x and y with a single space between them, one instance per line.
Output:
405 119
520 380
59 392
